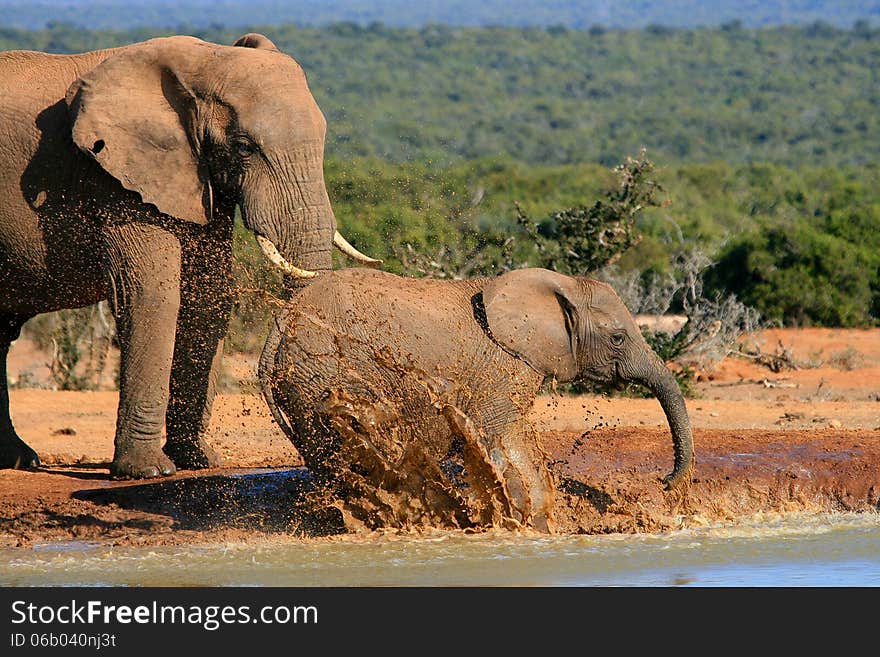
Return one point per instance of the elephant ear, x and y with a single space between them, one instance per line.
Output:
533 314
255 40
134 115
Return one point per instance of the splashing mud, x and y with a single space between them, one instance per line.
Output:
385 480
608 485
406 441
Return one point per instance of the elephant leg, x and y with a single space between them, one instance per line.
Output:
14 452
144 295
507 468
524 467
206 303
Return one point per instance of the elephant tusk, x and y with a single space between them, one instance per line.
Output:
342 244
278 260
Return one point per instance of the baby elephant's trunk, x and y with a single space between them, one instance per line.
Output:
661 382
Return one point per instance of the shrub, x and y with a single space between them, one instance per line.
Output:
798 275
79 341
577 241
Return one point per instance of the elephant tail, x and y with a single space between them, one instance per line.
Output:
266 373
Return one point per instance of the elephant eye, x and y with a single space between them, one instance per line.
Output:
617 339
244 148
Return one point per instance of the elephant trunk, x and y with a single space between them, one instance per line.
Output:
294 222
289 211
304 245
313 253
661 382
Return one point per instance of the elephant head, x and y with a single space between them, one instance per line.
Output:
578 328
196 128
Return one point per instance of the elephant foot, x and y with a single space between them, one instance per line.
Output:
141 461
192 455
15 454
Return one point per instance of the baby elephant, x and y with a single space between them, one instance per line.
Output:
408 398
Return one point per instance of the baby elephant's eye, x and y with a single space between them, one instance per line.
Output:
617 339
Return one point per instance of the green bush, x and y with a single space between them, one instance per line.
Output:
799 275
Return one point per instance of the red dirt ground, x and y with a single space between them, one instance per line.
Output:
806 439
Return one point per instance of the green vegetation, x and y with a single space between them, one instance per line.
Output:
462 151
580 241
777 233
577 241
788 95
799 275
462 217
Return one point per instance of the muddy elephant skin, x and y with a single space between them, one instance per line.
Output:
120 174
408 398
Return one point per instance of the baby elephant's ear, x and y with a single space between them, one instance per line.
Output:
533 314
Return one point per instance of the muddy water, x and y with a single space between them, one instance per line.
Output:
805 550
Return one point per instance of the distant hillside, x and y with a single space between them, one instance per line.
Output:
577 14
793 96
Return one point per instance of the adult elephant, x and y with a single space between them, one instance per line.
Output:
408 398
120 172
